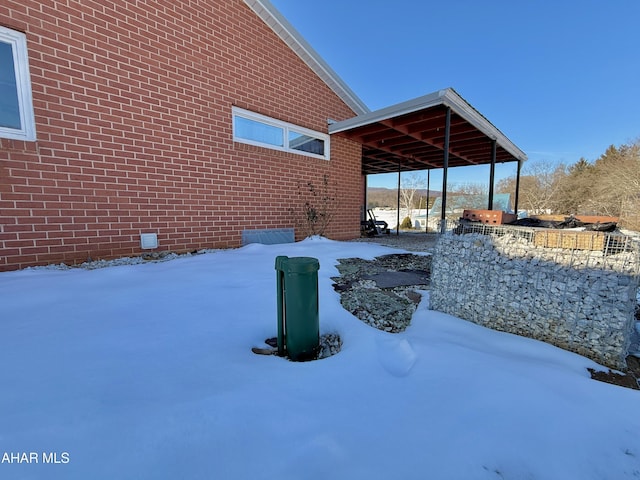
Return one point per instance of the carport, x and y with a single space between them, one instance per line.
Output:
438 130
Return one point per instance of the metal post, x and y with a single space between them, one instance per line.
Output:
445 168
398 211
363 213
492 173
515 206
426 205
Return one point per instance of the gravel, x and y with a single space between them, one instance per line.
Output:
154 257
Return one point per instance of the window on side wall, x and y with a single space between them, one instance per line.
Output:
16 105
256 129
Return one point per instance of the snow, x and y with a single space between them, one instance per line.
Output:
391 215
146 371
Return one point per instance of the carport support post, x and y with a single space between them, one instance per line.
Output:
398 214
515 206
492 173
445 168
426 205
363 211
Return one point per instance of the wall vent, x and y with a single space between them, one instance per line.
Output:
148 241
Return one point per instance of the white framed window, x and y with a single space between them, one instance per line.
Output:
16 104
263 131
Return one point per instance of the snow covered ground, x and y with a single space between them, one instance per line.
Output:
417 215
391 215
146 372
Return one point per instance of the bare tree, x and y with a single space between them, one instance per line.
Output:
469 188
609 186
548 181
540 186
409 185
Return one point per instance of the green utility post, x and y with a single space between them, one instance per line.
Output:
298 319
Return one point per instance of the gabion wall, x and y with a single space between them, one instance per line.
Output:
582 301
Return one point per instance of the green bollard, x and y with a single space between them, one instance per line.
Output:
298 319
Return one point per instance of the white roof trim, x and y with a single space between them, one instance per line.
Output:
447 97
289 35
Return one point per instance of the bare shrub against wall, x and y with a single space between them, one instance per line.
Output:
579 300
318 204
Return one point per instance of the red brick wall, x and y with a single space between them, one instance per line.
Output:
133 117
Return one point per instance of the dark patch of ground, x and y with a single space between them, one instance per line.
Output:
629 379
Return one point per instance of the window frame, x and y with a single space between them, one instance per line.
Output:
285 127
18 42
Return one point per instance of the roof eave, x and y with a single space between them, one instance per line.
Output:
426 101
289 35
447 97
452 99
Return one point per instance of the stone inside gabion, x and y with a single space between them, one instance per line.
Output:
579 300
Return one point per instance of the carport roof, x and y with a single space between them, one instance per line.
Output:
411 135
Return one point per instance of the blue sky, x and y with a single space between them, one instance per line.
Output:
561 79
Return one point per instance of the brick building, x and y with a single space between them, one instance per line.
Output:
193 122
134 107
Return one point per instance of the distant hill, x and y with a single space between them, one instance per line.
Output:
388 197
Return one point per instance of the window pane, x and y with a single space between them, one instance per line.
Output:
306 143
259 132
9 105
